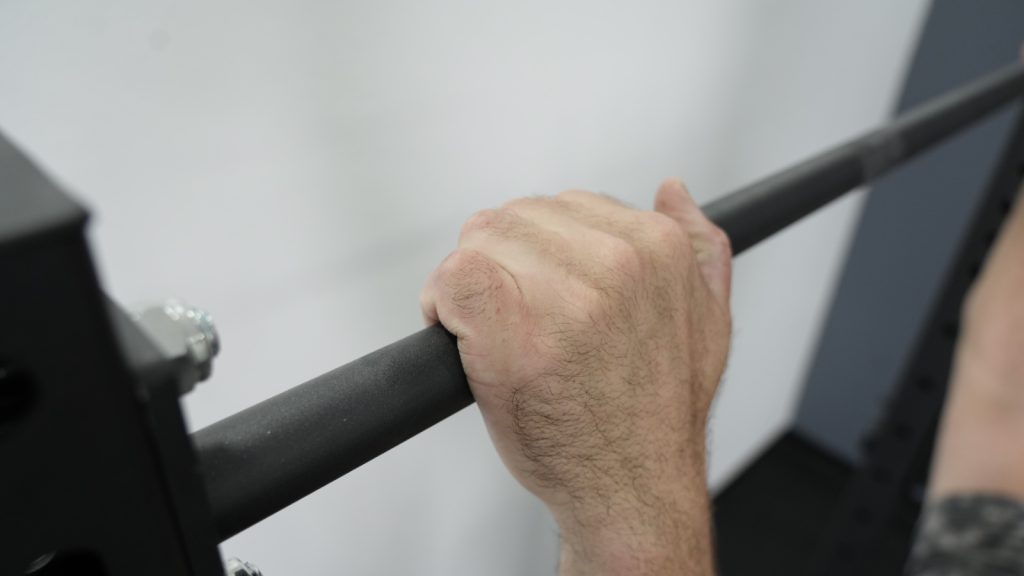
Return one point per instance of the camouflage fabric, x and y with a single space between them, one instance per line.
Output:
970 535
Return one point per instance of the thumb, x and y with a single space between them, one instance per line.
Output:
674 201
710 243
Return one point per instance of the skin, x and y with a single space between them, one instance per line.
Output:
594 336
982 431
982 428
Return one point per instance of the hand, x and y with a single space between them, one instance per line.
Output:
593 337
982 432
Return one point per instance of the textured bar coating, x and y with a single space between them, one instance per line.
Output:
755 212
274 453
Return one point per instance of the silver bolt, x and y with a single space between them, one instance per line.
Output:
235 567
183 332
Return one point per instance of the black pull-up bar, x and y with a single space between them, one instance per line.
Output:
268 456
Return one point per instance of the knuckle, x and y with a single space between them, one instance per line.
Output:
527 209
664 231
470 279
577 195
624 260
580 196
481 221
464 265
525 202
664 238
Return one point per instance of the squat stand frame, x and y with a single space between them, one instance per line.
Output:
100 472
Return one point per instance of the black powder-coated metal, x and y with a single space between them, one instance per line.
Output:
274 453
264 458
96 471
759 210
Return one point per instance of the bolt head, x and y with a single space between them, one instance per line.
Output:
236 567
182 332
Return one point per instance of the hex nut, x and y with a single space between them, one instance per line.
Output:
182 332
236 567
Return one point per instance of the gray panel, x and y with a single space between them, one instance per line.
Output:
911 225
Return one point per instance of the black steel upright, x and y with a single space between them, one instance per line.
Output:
96 473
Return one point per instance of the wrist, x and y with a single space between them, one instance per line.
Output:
653 532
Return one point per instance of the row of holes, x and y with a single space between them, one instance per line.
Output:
902 431
17 398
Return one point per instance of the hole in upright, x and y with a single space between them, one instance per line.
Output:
67 563
902 431
951 330
17 394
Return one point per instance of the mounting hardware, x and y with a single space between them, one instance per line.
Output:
236 567
182 332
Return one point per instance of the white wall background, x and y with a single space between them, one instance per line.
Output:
298 168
